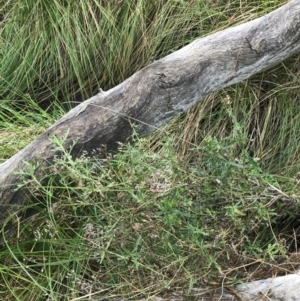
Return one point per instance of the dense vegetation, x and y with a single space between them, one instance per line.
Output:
210 199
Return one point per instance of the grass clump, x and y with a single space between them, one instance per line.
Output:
57 51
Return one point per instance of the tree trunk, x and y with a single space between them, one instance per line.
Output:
158 92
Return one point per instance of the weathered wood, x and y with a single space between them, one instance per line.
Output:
284 288
160 91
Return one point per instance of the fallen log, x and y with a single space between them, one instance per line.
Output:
284 288
154 95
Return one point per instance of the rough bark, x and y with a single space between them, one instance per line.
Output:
160 91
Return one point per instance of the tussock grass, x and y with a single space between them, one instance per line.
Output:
210 199
62 51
